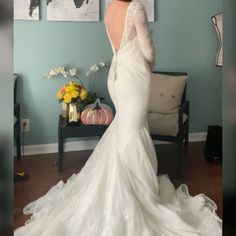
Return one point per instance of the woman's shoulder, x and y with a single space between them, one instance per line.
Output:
137 5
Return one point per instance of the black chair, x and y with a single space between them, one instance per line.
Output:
17 122
182 136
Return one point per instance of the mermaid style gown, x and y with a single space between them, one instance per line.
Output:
117 193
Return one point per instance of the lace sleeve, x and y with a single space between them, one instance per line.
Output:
144 34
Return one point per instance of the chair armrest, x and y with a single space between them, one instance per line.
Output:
184 108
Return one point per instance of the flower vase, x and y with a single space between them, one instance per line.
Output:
65 110
74 114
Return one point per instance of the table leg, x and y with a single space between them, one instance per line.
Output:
60 154
60 147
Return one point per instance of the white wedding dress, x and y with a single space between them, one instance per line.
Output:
118 193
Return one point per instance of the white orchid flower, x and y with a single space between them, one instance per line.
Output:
101 64
94 67
61 69
66 74
52 72
57 70
72 72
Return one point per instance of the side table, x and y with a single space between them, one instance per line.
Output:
75 130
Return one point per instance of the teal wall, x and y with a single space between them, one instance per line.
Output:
185 41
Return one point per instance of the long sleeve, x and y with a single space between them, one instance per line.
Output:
144 34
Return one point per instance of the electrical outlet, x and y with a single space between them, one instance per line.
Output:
25 125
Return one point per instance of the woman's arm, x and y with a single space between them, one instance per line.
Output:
144 34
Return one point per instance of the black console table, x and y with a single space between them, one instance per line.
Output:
75 130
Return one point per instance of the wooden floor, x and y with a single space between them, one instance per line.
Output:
200 175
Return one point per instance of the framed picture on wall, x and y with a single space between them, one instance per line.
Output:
73 10
26 9
149 6
218 24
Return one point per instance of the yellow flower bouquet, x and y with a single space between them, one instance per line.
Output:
72 93
74 97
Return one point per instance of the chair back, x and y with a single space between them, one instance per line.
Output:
171 73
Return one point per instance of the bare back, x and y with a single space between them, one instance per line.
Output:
125 21
115 20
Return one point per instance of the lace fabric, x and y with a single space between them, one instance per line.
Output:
137 25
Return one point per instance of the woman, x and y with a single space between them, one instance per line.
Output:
117 192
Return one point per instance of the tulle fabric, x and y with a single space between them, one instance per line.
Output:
117 193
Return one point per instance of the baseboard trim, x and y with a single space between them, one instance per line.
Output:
197 137
89 145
